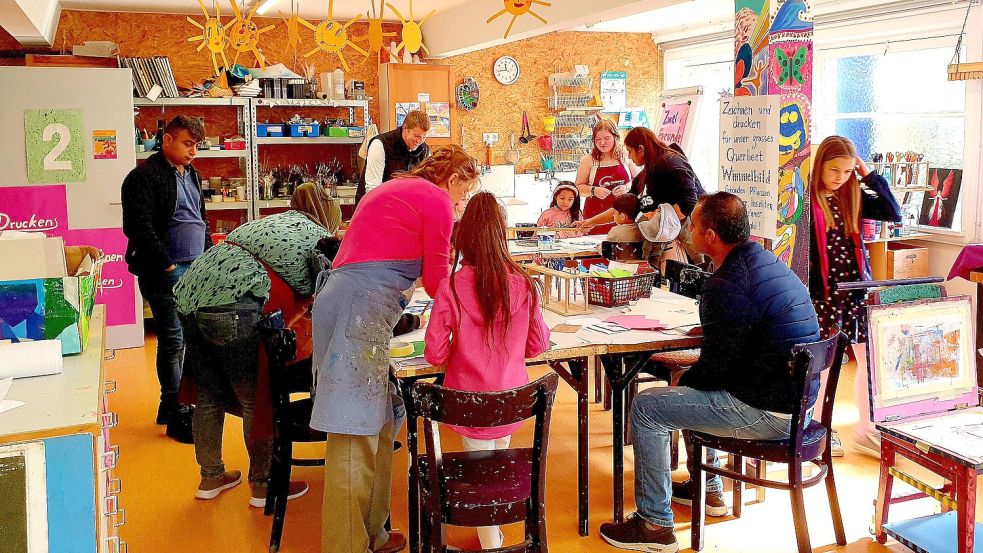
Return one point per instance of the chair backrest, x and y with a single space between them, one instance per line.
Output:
809 362
685 279
279 347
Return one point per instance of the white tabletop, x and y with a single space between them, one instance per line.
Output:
563 247
61 401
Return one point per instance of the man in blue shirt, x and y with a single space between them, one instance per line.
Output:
164 220
753 310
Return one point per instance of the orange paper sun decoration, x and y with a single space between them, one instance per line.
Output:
212 35
517 8
332 37
293 27
243 34
376 35
412 34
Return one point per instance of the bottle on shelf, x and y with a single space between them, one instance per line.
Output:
159 138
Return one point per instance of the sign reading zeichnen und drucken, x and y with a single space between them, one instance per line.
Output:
749 157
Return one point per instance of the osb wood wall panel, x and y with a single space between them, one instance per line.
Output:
500 107
144 35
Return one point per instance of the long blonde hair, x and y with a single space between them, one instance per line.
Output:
618 152
847 195
443 162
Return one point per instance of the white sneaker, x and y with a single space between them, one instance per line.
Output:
835 445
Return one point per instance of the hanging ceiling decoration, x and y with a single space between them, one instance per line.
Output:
293 26
332 37
243 34
517 8
212 35
412 32
376 35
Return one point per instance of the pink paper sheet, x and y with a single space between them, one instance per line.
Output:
636 322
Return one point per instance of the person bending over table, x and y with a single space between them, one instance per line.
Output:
400 231
753 311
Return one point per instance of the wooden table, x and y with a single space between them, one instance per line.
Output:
570 248
573 357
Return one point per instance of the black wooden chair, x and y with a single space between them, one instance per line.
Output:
484 488
809 442
291 419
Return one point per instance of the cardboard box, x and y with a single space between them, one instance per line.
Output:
25 247
904 261
48 308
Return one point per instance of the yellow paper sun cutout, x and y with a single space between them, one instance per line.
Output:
376 36
517 8
332 37
212 35
293 27
243 34
412 33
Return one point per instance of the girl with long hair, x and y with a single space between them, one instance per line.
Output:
400 232
605 173
564 210
486 322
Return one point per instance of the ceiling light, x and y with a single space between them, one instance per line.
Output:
267 6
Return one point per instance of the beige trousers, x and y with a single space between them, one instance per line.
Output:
357 489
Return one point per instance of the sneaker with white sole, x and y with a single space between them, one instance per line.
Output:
636 534
715 505
835 445
258 497
210 488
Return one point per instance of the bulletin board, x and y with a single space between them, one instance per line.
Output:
679 110
407 86
68 144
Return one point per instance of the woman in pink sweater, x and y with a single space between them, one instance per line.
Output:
484 338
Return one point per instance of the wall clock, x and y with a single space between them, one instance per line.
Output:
506 70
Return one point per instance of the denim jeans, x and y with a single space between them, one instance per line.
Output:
222 348
657 412
158 290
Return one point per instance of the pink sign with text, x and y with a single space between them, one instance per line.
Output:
44 209
672 126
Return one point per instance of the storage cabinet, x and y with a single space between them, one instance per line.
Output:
404 83
64 426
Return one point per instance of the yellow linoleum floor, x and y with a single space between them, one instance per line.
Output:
160 475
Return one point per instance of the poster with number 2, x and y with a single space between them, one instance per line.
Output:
55 146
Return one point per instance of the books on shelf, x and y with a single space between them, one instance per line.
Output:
148 72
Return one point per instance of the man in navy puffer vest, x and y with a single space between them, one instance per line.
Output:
753 311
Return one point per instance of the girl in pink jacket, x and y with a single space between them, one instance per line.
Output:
564 211
486 322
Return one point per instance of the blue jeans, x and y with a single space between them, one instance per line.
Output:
657 412
158 290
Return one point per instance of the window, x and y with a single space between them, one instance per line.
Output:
895 102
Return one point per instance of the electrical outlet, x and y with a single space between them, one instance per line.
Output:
489 137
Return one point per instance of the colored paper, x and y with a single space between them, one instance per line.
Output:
636 322
55 146
672 123
402 109
440 119
104 144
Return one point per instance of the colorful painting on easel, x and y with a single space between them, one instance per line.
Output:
940 203
922 348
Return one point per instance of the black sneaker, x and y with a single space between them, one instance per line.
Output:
637 535
164 412
715 505
179 424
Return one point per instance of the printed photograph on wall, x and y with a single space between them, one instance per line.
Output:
939 204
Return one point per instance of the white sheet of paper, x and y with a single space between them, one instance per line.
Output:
7 404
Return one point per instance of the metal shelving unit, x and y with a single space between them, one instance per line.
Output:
207 154
572 139
266 140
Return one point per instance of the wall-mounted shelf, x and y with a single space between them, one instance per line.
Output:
226 206
204 102
304 140
206 154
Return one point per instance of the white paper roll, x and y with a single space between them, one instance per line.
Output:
38 358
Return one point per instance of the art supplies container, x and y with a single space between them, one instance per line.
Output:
547 240
615 292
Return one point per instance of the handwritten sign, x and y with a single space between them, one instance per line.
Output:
749 157
672 123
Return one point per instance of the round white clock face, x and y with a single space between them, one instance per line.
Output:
506 70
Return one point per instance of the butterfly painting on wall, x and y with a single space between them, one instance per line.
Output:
790 66
939 205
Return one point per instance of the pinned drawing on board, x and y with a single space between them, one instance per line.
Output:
377 34
332 37
412 33
212 35
243 34
517 8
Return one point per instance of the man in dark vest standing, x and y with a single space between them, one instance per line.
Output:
400 149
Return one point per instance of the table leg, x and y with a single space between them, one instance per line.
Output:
884 484
966 509
413 487
613 369
585 370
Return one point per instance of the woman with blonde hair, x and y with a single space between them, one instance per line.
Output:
400 232
605 173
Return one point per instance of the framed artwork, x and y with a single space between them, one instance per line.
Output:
24 509
940 203
921 350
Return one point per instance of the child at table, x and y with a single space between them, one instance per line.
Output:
626 208
563 210
486 321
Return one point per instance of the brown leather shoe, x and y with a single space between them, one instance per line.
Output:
210 488
396 542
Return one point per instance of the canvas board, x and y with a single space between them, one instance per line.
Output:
24 509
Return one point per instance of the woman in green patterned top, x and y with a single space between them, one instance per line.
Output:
264 265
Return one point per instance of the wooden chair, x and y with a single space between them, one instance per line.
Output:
484 488
291 419
809 442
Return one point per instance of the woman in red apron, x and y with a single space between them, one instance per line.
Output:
605 173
